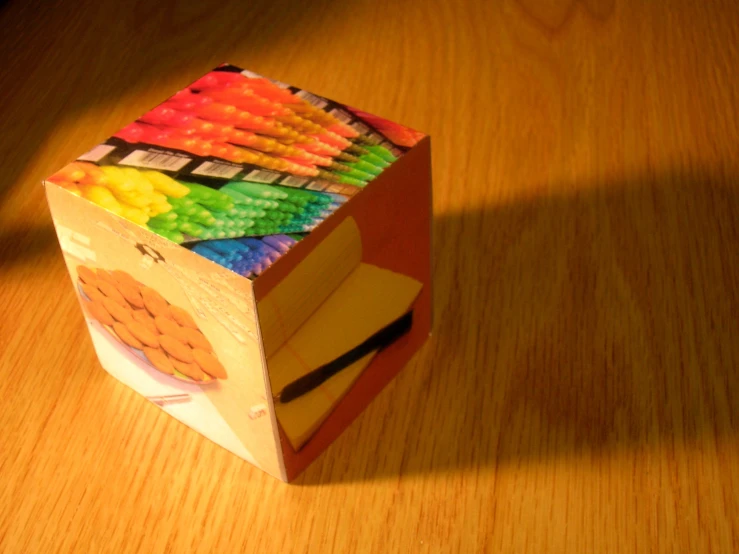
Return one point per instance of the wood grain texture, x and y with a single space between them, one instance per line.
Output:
581 390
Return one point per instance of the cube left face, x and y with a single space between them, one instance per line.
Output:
177 328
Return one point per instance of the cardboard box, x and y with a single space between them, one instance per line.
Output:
254 259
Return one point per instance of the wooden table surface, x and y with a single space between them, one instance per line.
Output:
581 389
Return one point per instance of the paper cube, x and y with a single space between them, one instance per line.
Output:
254 259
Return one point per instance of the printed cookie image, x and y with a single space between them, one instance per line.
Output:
209 363
98 311
182 318
191 370
126 336
106 277
112 292
196 339
143 317
131 294
86 274
93 293
160 360
139 317
176 349
125 279
143 334
168 327
155 302
121 314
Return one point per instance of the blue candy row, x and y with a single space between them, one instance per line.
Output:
246 256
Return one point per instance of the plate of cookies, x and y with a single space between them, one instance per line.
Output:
163 335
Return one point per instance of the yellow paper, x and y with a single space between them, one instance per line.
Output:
298 295
369 299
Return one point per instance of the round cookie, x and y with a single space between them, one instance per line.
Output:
92 292
143 317
176 349
168 327
112 292
143 334
124 278
155 302
192 371
106 277
131 294
86 274
98 311
121 314
159 360
182 318
196 339
125 335
209 363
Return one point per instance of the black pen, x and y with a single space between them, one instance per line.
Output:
310 381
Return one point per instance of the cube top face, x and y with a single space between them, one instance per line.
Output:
236 167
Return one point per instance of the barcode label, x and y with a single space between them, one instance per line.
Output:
316 185
261 176
155 160
311 99
361 128
394 150
251 74
293 181
97 153
341 115
211 169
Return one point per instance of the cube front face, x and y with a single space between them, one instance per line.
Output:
169 228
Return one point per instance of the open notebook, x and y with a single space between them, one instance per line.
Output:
328 306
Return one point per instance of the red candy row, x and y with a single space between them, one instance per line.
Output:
223 112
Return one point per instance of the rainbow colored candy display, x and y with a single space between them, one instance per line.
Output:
252 120
248 256
237 167
135 195
251 256
180 211
399 134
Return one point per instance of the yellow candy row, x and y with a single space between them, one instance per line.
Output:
126 191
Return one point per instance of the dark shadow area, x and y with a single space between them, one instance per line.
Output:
56 65
27 243
574 325
67 58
